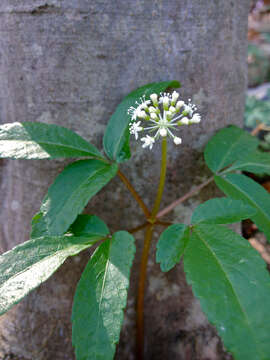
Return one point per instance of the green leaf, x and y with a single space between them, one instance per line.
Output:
83 226
241 187
233 286
71 191
116 137
33 140
26 266
39 226
257 163
171 246
100 298
222 211
86 224
228 145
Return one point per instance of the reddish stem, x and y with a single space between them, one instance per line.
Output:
170 207
134 193
140 298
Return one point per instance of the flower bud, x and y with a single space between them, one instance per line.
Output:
175 96
154 116
179 104
155 110
177 140
184 121
142 114
166 102
154 99
146 108
169 115
172 109
163 132
196 118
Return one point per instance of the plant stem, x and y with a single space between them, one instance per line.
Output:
145 254
145 224
138 228
170 207
134 193
141 288
161 180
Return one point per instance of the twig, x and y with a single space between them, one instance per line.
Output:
134 193
258 128
261 249
170 207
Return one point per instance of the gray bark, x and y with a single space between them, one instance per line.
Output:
70 62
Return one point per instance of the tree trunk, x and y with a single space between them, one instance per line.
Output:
70 62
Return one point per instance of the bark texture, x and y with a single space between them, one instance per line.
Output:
70 62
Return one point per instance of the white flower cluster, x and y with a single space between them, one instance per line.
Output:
161 115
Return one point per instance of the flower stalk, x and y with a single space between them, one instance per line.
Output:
161 115
145 253
141 290
162 179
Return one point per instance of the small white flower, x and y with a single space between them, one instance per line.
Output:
154 98
148 141
196 118
135 128
177 140
175 96
143 105
142 114
152 109
169 115
179 104
163 132
184 121
189 108
172 109
154 116
166 102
